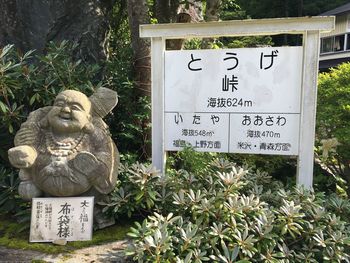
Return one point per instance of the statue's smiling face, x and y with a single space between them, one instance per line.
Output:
70 112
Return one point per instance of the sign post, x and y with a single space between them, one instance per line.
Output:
247 100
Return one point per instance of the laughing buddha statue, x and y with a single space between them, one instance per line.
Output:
65 150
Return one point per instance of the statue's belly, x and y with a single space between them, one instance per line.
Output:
62 186
57 177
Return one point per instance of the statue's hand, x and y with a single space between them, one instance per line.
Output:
22 156
87 164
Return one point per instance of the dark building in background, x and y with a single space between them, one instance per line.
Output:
335 45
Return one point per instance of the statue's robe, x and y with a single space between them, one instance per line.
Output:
55 170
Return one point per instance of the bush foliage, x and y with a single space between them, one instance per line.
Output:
218 212
231 214
333 123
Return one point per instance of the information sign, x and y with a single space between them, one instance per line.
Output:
234 100
249 100
70 219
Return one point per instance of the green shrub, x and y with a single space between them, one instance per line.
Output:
31 82
230 214
137 192
333 124
282 168
9 199
130 122
141 190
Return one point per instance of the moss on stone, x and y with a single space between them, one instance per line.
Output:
11 237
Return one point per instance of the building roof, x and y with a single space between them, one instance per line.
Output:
324 65
336 11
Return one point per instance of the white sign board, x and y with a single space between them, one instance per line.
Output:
68 218
245 100
251 88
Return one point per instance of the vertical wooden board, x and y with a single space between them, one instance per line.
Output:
157 61
308 109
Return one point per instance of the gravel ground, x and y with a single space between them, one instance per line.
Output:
109 252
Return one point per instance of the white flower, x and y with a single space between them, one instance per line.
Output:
232 177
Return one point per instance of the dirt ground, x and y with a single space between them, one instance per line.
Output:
109 252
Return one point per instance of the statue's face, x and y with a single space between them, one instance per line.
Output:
70 112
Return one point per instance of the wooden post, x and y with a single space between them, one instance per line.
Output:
305 165
157 62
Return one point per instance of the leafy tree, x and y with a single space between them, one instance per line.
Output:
333 118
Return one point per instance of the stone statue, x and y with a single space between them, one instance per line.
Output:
65 149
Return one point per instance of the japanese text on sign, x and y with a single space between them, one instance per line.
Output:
241 100
70 219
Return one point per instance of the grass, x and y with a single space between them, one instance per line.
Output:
11 237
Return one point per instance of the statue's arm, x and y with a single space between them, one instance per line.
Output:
27 139
98 164
22 156
106 182
31 129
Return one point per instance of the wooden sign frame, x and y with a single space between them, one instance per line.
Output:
309 27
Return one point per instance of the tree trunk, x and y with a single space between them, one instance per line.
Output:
171 11
211 14
31 24
138 14
165 10
212 10
184 14
176 44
